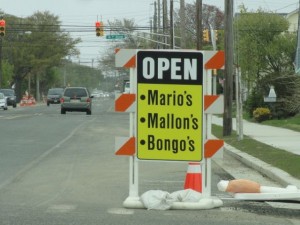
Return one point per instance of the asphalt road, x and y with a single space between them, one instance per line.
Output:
61 169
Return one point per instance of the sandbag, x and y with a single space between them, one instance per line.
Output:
187 195
157 199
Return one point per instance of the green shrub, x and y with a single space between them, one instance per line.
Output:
254 100
261 114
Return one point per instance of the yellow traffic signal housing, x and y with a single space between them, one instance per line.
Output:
216 35
2 28
219 35
206 35
99 29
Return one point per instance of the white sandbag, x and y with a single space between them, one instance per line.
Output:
187 195
156 199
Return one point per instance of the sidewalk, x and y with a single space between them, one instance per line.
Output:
277 137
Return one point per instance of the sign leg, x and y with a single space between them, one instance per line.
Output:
133 177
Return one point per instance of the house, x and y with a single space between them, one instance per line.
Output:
292 17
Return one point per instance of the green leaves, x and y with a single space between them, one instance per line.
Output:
34 45
263 46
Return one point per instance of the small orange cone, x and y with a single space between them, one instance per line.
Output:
193 178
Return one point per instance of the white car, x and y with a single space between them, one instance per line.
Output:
3 101
96 94
127 87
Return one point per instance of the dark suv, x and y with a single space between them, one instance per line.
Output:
76 99
54 95
10 96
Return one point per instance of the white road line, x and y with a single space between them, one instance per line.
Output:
120 211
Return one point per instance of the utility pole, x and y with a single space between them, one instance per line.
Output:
182 24
2 34
151 27
0 62
228 90
199 24
297 58
158 24
155 30
165 21
172 44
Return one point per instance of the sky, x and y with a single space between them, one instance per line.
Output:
87 12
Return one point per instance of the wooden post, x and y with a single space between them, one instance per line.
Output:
199 23
228 84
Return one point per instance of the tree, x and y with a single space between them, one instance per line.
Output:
79 75
137 39
51 45
34 45
265 52
257 40
212 16
7 70
128 28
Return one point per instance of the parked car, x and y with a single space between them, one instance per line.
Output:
54 95
3 101
10 97
96 94
76 99
127 87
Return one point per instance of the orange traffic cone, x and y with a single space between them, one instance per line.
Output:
193 178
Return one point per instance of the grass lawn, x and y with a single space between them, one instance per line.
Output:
292 123
278 158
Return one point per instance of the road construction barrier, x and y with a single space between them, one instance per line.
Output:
141 64
27 101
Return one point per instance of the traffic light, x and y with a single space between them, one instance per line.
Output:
206 35
99 29
2 28
216 34
98 25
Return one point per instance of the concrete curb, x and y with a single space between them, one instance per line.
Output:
273 173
